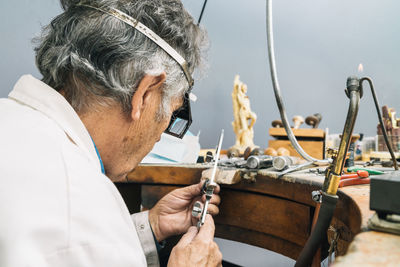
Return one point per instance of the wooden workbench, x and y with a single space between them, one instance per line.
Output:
273 213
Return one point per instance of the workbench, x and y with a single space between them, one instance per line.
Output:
274 213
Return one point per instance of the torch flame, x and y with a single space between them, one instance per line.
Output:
360 68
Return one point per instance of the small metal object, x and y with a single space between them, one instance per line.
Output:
295 168
258 162
196 211
282 162
241 164
316 196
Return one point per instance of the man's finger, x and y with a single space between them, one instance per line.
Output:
190 191
207 230
213 210
194 190
188 237
215 199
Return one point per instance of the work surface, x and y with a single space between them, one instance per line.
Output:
275 213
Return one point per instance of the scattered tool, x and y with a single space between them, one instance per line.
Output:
296 168
233 163
354 181
208 187
297 120
358 174
282 162
277 124
360 177
258 162
370 171
314 120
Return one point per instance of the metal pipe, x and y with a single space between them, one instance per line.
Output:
277 91
332 178
378 110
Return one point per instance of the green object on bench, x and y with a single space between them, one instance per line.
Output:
370 171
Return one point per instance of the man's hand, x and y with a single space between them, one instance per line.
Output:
172 215
197 248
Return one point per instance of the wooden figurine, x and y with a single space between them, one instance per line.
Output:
244 118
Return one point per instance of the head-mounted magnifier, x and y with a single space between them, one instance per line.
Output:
182 118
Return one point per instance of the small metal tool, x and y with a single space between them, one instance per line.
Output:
196 209
258 162
282 162
295 168
208 187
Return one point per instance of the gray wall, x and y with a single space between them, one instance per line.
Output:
318 44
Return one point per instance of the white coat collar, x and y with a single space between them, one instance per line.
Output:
39 96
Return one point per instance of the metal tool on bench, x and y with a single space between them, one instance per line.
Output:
208 187
259 162
283 162
374 171
360 177
286 164
294 168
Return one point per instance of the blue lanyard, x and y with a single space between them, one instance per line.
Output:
98 155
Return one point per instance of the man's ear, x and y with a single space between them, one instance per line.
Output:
148 84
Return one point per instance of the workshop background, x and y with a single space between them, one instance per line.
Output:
318 45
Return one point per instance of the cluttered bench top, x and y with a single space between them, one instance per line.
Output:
276 212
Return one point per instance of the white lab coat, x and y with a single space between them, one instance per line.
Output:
56 207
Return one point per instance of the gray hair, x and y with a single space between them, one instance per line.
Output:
96 58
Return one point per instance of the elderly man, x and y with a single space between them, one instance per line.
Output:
114 73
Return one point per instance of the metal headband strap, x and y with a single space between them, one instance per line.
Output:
149 34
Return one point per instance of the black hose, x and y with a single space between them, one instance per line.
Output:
325 215
202 11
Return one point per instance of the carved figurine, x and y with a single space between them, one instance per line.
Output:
244 118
